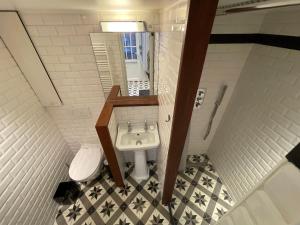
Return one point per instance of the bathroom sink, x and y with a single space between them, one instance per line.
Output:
137 138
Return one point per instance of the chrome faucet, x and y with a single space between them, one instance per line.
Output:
146 125
129 128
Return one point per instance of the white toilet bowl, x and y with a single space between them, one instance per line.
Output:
87 163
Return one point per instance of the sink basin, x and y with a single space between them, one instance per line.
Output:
137 139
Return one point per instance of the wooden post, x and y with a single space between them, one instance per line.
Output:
198 30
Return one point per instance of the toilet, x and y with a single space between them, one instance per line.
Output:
87 163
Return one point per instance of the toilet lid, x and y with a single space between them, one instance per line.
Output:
85 162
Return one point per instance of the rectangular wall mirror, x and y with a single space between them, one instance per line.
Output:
126 59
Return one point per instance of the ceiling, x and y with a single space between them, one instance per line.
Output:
85 4
93 4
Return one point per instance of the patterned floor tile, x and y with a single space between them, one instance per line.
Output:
152 187
107 209
208 182
224 195
124 220
125 191
218 212
95 193
199 197
74 213
139 206
181 185
134 87
89 221
157 218
203 199
190 171
190 217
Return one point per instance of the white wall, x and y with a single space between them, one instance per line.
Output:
243 23
115 58
223 65
261 123
33 152
113 131
170 43
282 21
63 42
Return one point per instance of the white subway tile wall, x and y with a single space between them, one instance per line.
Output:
258 128
169 59
136 114
261 123
115 58
63 42
112 127
239 23
33 152
223 65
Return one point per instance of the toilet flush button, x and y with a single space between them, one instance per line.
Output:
151 127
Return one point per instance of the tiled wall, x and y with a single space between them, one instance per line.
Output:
115 58
63 42
243 23
169 58
223 65
33 152
136 114
261 123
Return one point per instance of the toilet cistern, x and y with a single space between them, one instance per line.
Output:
139 139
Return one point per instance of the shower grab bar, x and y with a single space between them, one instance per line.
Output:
214 112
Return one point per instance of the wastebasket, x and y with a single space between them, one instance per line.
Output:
67 193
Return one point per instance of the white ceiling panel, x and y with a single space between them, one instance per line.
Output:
94 4
85 4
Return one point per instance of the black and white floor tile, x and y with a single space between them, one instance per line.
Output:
136 86
199 197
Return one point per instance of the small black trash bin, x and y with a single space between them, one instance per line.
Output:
67 193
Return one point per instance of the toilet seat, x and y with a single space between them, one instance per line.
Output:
85 163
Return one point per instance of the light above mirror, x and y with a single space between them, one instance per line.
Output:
122 26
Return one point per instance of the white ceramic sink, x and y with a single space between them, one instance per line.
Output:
137 139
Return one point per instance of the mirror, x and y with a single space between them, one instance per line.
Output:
125 59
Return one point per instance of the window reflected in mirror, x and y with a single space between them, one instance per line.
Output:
125 59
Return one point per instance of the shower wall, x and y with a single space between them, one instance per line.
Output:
261 124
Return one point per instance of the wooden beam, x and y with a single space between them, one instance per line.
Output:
199 24
113 100
114 92
123 101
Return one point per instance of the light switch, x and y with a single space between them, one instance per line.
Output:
199 98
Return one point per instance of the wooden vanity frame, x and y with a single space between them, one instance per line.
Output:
115 100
